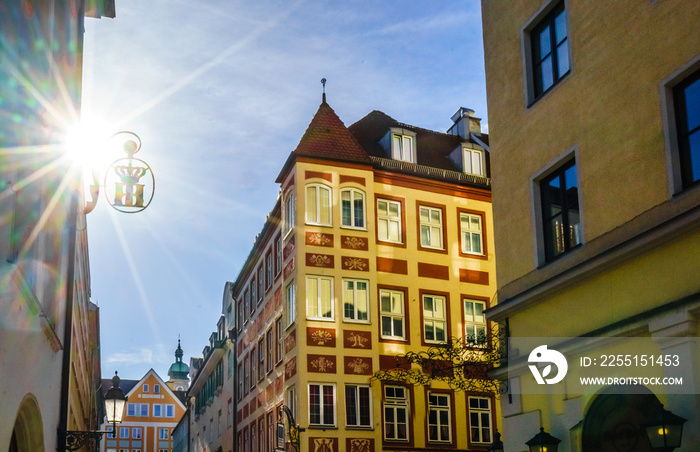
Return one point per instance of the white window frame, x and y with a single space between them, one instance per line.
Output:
262 353
136 432
480 412
354 192
315 308
434 229
358 408
123 432
156 389
387 219
290 301
164 433
392 314
253 367
472 158
403 147
292 400
145 387
432 319
434 405
395 404
353 300
280 340
278 255
315 209
474 324
321 413
468 233
289 213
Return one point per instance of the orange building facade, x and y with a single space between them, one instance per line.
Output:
152 412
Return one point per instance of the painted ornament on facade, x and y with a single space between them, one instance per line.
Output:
321 364
360 445
319 239
290 341
320 337
355 263
357 339
319 260
354 243
358 365
323 444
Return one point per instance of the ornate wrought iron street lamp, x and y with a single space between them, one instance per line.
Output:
115 402
294 429
664 430
543 442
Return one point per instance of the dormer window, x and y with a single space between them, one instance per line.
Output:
402 147
400 144
473 160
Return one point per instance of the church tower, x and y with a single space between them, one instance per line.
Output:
178 372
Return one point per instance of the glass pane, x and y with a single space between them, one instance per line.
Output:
424 215
425 235
432 417
314 405
397 147
556 236
563 59
383 229
476 163
385 302
362 305
468 162
325 206
444 417
439 331
346 211
396 303
382 207
350 406
479 312
560 27
475 223
435 216
386 326
326 298
694 142
545 43
428 306
348 295
476 243
439 308
394 209
359 211
469 310
408 149
398 327
312 296
574 237
429 331
394 231
311 203
547 72
692 104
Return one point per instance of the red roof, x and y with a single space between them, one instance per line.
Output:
327 138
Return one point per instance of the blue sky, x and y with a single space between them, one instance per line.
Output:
220 93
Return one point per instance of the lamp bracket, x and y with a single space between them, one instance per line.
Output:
77 439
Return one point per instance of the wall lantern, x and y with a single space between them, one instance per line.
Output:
664 430
543 442
497 444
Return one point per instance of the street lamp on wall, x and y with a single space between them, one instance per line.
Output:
543 442
497 444
115 402
664 430
294 429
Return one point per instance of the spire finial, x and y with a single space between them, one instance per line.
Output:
323 82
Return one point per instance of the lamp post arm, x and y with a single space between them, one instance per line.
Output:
294 429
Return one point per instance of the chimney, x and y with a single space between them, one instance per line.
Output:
465 123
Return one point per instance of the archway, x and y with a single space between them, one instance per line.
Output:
28 431
613 422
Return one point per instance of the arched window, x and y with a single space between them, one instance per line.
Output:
318 204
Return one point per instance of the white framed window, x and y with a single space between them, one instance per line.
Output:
169 410
261 358
131 409
358 406
319 297
439 416
430 227
473 162
356 300
389 221
395 413
393 321
156 389
290 304
145 388
253 294
322 405
163 433
434 319
474 321
123 432
268 266
110 432
480 416
143 409
471 233
289 213
246 370
352 204
157 410
318 205
136 432
291 400
403 147
270 338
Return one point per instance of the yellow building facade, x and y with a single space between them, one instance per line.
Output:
380 243
593 111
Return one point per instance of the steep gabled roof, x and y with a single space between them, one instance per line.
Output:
129 386
327 138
